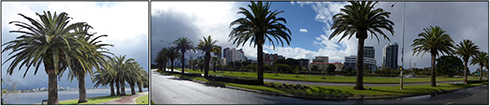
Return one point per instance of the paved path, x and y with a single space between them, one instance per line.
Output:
126 100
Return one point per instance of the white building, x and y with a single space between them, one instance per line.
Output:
234 55
369 63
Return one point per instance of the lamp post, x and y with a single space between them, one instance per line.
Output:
403 43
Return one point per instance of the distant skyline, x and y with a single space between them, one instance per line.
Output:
310 23
125 23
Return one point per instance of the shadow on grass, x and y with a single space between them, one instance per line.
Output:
409 90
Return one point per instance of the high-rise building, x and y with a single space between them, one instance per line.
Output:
369 51
224 52
351 61
321 59
390 56
233 55
304 63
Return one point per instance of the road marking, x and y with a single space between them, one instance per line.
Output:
448 103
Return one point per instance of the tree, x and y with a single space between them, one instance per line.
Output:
105 77
207 46
331 68
48 40
449 65
172 55
200 64
359 18
183 44
214 61
162 59
85 65
465 50
259 26
314 68
434 40
481 59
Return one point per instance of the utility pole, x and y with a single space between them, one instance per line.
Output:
403 43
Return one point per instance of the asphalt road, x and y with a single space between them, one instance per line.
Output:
171 90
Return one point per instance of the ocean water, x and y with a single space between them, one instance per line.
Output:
37 97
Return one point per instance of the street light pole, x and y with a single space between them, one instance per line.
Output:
403 43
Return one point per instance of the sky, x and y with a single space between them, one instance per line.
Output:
125 23
310 23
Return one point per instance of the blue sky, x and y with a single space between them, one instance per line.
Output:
461 20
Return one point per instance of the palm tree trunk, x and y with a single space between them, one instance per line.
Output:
112 88
260 64
161 67
172 65
214 67
433 70
52 88
207 57
139 87
133 91
465 73
123 89
359 64
117 88
481 72
82 93
183 54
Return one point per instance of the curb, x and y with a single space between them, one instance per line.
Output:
331 98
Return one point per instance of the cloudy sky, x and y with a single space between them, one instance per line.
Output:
310 25
125 23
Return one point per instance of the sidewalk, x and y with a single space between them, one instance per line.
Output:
126 100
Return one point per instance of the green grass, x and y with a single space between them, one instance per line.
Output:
142 100
322 91
93 100
315 78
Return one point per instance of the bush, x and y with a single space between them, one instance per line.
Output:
230 79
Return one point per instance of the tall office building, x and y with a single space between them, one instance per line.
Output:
219 54
390 56
351 61
224 52
233 55
369 51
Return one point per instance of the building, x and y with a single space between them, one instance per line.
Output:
233 55
390 56
304 63
224 52
324 65
351 61
321 59
369 51
271 58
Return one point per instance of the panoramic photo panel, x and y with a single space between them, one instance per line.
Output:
75 53
322 53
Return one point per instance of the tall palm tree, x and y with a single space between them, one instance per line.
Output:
105 77
173 54
259 25
466 49
214 61
207 46
192 64
481 59
183 44
162 59
93 57
122 67
434 40
200 63
48 40
359 18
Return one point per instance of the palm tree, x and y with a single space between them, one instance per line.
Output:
214 61
105 77
207 46
172 54
200 63
46 41
359 18
434 40
122 67
259 26
465 49
162 59
192 63
481 59
183 44
96 57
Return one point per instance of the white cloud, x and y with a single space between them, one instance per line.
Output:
303 30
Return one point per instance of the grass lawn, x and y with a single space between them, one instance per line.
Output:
322 91
316 78
93 100
142 100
